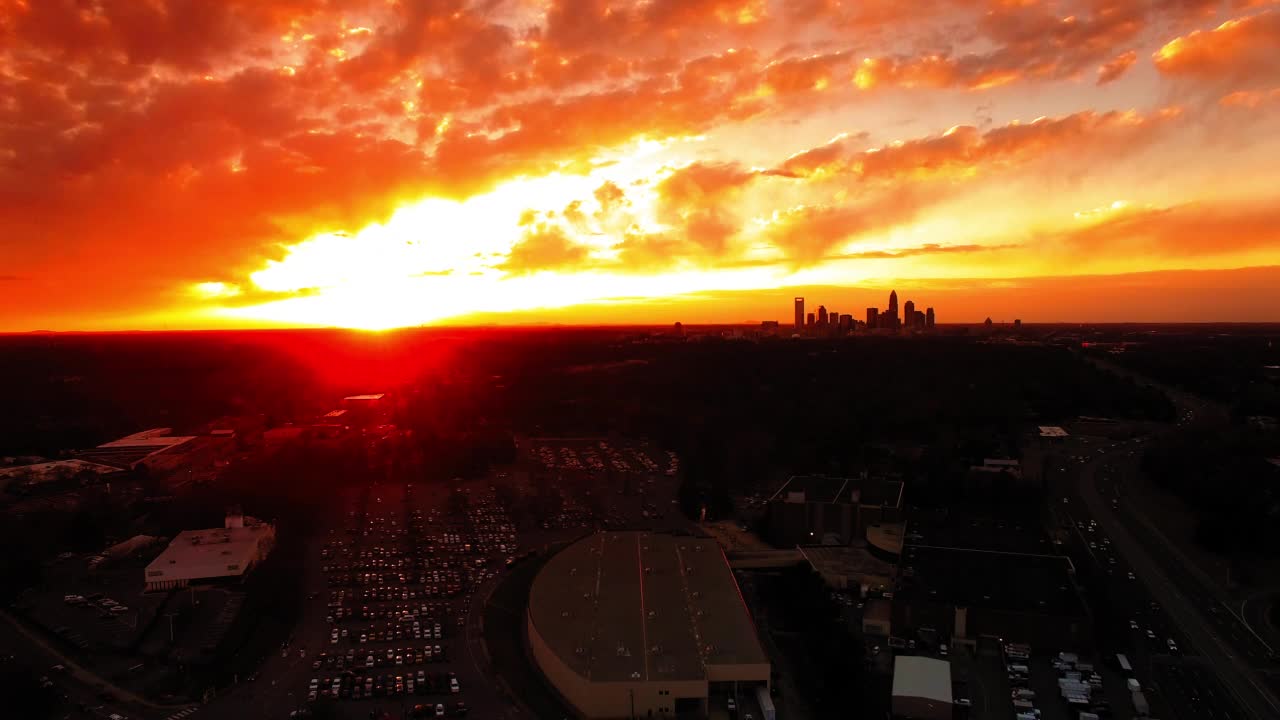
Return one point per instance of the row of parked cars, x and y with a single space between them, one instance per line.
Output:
106 605
355 684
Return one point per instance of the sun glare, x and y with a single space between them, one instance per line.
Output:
437 259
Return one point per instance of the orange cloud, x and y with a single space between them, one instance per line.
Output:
1250 99
544 248
1116 67
1237 51
145 146
1030 40
1190 230
965 150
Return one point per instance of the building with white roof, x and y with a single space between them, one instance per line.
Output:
203 555
921 688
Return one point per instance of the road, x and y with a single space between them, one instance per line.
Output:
1233 653
82 687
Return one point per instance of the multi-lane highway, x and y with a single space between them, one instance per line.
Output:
1175 614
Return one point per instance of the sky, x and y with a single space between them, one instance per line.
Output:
169 164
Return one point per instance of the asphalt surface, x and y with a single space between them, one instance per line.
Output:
1229 678
85 694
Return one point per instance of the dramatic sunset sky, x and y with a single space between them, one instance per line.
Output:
378 163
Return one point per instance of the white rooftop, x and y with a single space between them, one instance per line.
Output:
1052 431
216 552
359 398
922 677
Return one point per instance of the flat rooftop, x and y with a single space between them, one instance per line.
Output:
1013 532
156 438
643 606
850 562
364 398
822 489
208 553
1052 431
922 677
132 449
996 580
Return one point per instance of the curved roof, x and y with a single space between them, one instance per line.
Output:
641 606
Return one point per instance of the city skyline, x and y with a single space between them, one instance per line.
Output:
373 165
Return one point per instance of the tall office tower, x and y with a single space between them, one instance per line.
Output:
873 318
810 323
928 318
846 323
822 315
890 319
799 313
909 313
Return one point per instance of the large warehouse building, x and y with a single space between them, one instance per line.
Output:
209 555
817 510
633 624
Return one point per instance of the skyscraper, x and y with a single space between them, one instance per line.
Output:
873 318
891 313
822 315
810 319
928 318
909 314
799 313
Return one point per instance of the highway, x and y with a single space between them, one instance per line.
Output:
1229 678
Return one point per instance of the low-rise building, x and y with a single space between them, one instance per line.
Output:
815 510
921 688
228 552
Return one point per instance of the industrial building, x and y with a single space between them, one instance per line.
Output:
958 595
228 552
636 624
140 448
921 688
816 510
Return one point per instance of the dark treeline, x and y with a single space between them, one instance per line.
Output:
740 413
1227 480
1237 369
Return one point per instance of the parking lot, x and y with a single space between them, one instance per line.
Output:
401 579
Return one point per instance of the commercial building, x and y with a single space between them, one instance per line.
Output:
635 624
1052 431
228 552
799 313
873 318
365 409
921 688
140 448
815 510
957 595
